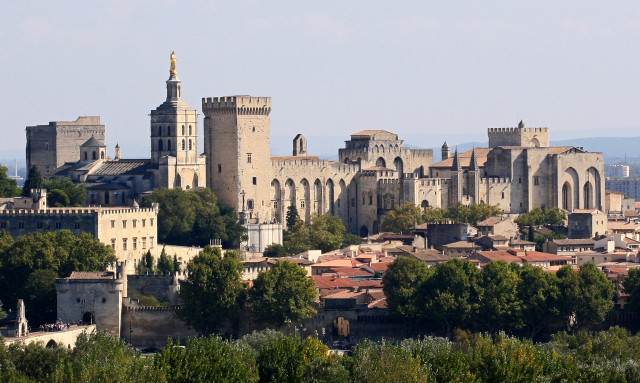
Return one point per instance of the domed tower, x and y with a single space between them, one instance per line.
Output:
446 151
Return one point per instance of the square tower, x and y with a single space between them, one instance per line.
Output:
238 151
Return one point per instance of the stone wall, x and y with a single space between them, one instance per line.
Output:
152 326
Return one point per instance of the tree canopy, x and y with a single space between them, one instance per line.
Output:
325 232
539 217
195 217
33 181
213 291
62 192
282 294
8 187
30 265
400 283
403 217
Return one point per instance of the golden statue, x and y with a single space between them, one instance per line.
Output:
172 70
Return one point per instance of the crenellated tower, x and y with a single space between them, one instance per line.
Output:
238 150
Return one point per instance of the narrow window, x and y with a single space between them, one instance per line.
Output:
302 204
255 180
58 225
124 224
189 144
144 222
248 158
144 242
250 204
135 243
536 180
219 168
134 223
168 130
190 130
160 148
151 222
183 130
113 243
124 244
183 145
76 225
168 144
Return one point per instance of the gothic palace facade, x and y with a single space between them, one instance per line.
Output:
519 171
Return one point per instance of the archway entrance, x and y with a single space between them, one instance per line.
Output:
52 344
341 328
88 318
364 232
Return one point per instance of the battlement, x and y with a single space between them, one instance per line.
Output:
495 180
154 309
76 211
240 105
389 181
517 130
80 121
313 163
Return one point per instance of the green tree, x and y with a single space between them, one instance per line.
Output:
292 216
165 264
77 193
8 187
325 233
499 304
586 295
33 181
540 296
451 296
194 218
176 264
57 198
59 252
40 291
275 250
146 263
539 217
209 359
3 314
402 218
214 290
434 214
400 285
373 363
283 294
631 285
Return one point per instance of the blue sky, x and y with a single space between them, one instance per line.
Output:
426 70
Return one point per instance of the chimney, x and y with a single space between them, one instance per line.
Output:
117 157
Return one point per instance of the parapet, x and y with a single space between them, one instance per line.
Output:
240 105
80 121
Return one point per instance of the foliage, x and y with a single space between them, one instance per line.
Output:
275 250
400 283
33 181
208 359
150 301
631 287
194 218
384 363
402 218
451 296
287 358
213 291
539 295
57 198
325 233
8 186
282 294
3 314
541 238
31 264
539 217
76 193
499 304
165 264
586 295
146 264
292 216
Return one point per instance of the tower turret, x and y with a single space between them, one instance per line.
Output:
446 151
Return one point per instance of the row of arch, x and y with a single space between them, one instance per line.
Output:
184 144
309 198
168 130
581 194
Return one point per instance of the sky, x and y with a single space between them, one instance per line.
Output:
426 70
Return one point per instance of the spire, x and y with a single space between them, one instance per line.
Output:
521 124
474 160
456 161
173 83
445 145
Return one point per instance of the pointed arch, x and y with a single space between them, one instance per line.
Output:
331 197
276 198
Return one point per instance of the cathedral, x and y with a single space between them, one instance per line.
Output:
174 161
518 171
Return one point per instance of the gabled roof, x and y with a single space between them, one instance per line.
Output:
123 167
491 221
574 242
465 158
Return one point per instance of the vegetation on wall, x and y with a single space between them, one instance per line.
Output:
403 217
325 233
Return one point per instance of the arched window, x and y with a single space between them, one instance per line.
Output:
160 145
183 130
85 156
189 144
168 130
94 155
168 144
189 129
182 144
102 155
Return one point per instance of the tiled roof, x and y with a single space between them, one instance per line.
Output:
92 142
491 221
465 158
498 237
568 241
347 262
380 266
538 256
351 272
330 257
379 304
461 245
92 275
122 167
500 255
107 186
345 295
329 282
623 226
521 242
